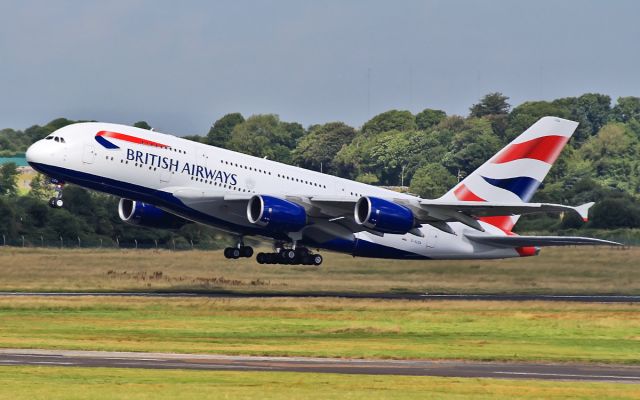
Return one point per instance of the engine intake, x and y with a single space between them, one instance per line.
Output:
143 214
383 215
276 214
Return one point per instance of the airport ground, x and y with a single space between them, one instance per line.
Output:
577 270
531 331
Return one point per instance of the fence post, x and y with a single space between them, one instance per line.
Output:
22 240
79 242
136 242
191 244
4 240
156 242
41 241
174 243
100 242
117 242
61 242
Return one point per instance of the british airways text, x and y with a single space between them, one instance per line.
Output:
192 169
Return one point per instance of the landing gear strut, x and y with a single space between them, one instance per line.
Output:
56 201
240 250
299 256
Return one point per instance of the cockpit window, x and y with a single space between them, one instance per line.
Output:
48 138
57 139
62 140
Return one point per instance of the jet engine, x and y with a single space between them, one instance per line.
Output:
383 215
276 214
143 214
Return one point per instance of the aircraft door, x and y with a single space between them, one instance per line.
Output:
88 155
165 175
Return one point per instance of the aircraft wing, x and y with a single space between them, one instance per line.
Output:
538 241
438 213
339 209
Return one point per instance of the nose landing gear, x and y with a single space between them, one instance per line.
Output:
56 201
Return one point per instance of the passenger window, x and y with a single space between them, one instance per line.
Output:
56 139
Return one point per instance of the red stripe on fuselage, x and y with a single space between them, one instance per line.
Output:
129 138
504 223
545 148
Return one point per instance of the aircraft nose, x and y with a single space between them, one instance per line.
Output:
34 152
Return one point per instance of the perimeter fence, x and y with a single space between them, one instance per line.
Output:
78 242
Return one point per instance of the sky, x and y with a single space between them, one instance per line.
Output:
182 65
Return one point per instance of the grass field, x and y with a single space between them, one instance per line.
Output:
102 383
565 270
530 331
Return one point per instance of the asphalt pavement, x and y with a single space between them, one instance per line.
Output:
463 369
609 298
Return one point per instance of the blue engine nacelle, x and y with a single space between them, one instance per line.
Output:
143 214
276 214
383 216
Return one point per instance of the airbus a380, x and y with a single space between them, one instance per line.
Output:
165 182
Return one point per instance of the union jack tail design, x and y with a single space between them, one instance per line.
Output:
515 172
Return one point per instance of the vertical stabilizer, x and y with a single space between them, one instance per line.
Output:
515 172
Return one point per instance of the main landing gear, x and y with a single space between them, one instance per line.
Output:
56 201
240 250
237 252
299 256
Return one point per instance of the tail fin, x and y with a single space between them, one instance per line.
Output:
515 172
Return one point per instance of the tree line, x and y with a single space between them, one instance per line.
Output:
428 152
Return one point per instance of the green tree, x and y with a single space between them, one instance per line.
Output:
615 213
142 125
626 109
220 132
591 110
9 179
318 148
491 104
432 181
8 226
428 118
389 121
264 136
40 188
472 144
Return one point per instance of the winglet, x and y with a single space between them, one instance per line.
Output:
583 210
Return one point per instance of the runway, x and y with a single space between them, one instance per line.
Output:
612 298
462 369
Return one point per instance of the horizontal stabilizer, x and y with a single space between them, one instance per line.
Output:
539 241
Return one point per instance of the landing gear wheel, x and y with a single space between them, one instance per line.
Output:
247 251
317 259
55 202
260 258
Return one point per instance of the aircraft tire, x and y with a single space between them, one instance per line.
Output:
317 259
247 251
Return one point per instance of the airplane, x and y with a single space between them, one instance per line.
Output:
165 181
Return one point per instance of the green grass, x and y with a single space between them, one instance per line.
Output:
530 331
567 270
105 383
113 383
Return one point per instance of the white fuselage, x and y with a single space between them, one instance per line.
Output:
152 166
